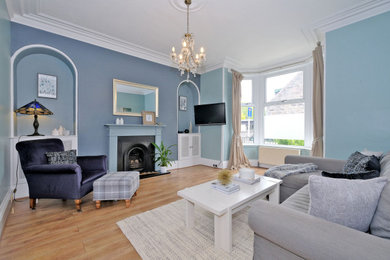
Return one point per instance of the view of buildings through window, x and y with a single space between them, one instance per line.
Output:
282 112
247 112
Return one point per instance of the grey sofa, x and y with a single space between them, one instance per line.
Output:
286 231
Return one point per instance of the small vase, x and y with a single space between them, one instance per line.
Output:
163 169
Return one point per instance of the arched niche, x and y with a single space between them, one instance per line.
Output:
64 106
189 89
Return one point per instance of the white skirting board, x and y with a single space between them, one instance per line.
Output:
206 162
5 208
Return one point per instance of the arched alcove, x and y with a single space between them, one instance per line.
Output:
26 63
190 90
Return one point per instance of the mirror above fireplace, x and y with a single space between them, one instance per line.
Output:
130 99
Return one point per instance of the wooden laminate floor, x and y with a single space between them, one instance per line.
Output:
55 230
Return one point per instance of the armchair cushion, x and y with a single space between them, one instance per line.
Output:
65 157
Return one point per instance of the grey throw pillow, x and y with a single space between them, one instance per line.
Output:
65 157
351 203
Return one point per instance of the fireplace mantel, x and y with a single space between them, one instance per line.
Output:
128 130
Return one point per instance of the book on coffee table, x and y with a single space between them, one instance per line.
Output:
247 181
228 189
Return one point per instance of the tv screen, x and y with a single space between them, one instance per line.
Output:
210 114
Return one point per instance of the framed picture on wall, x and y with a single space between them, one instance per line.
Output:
47 86
182 103
148 117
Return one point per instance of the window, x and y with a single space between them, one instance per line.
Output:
284 110
276 107
247 112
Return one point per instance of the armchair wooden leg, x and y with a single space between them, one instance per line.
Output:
127 203
78 204
32 203
98 204
135 193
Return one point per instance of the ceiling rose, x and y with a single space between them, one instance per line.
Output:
182 7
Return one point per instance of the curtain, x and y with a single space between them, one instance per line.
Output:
318 93
237 157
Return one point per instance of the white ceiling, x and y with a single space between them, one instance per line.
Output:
251 34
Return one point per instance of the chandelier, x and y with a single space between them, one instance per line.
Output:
187 60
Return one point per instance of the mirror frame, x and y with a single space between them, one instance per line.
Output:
130 84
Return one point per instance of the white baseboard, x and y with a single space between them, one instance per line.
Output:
5 208
206 162
211 163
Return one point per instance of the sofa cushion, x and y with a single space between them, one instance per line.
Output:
356 175
65 157
358 162
351 203
297 181
299 201
380 225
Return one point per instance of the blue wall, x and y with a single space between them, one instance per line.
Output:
5 42
185 117
211 92
358 87
26 91
97 67
228 128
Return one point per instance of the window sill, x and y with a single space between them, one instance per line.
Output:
280 146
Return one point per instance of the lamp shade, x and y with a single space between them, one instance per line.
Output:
34 108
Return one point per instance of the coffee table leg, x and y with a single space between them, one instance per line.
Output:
223 231
189 214
274 196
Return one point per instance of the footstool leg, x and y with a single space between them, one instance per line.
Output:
127 203
135 193
98 204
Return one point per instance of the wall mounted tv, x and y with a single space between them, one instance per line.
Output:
210 114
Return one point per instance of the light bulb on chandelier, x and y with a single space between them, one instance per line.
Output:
187 60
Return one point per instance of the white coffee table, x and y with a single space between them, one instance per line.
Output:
223 205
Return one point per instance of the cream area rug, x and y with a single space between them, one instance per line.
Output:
161 234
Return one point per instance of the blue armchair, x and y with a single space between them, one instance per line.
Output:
58 181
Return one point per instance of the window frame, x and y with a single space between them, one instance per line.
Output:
259 103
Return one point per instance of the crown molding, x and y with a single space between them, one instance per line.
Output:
316 31
28 13
73 31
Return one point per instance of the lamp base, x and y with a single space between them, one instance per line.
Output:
35 134
36 125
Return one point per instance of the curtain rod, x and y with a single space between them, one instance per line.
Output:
279 67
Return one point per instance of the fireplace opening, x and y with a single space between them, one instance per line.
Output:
135 158
135 153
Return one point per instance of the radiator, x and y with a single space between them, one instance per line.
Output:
269 156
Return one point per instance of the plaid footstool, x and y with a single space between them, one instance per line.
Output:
116 186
